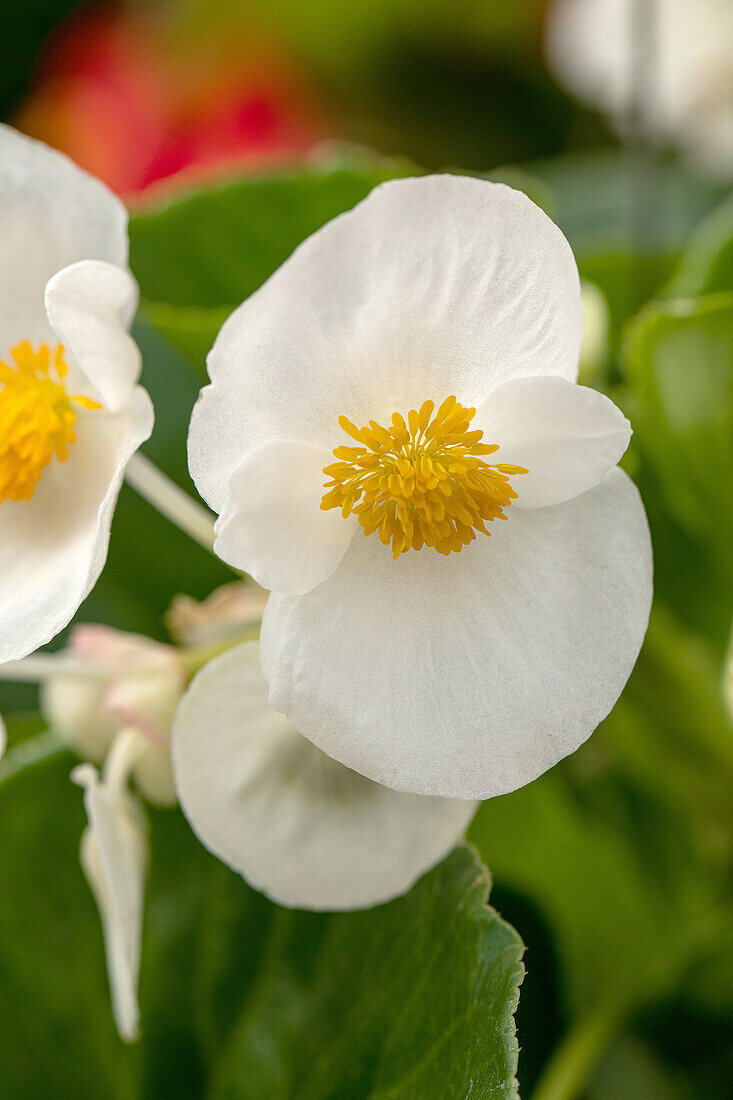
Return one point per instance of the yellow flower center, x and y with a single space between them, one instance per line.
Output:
420 482
36 417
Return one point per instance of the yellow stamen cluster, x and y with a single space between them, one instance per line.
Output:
36 417
420 482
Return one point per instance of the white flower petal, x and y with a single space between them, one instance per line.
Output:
430 287
91 305
568 437
53 547
51 215
469 675
273 527
114 858
297 825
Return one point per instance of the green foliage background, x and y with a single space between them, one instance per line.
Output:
615 867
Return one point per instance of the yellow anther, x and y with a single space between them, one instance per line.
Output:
420 482
37 417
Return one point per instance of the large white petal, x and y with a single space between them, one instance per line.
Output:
430 287
568 437
114 857
272 526
469 675
51 215
53 546
91 305
296 824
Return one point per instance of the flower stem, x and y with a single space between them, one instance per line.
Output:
42 666
170 500
570 1067
194 658
127 748
33 751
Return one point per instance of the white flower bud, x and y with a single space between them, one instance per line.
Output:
224 614
132 683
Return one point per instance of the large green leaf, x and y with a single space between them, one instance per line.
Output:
706 265
413 999
630 1070
215 246
592 886
58 1037
202 253
618 198
625 848
199 256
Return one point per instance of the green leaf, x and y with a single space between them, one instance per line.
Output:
629 1069
404 1026
679 362
706 265
592 887
191 330
240 998
616 199
59 1038
202 254
625 849
214 247
627 278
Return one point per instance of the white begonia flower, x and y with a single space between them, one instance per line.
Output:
672 77
296 824
114 856
131 683
71 412
440 312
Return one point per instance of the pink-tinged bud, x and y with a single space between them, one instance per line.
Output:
129 682
226 614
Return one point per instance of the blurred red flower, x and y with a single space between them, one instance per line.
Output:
136 99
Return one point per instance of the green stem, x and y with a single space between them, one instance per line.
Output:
195 658
570 1067
41 747
171 501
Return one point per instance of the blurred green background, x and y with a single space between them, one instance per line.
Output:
234 129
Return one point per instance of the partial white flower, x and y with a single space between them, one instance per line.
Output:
114 856
404 382
71 412
297 825
129 683
672 75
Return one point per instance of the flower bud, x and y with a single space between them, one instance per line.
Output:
128 682
225 614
